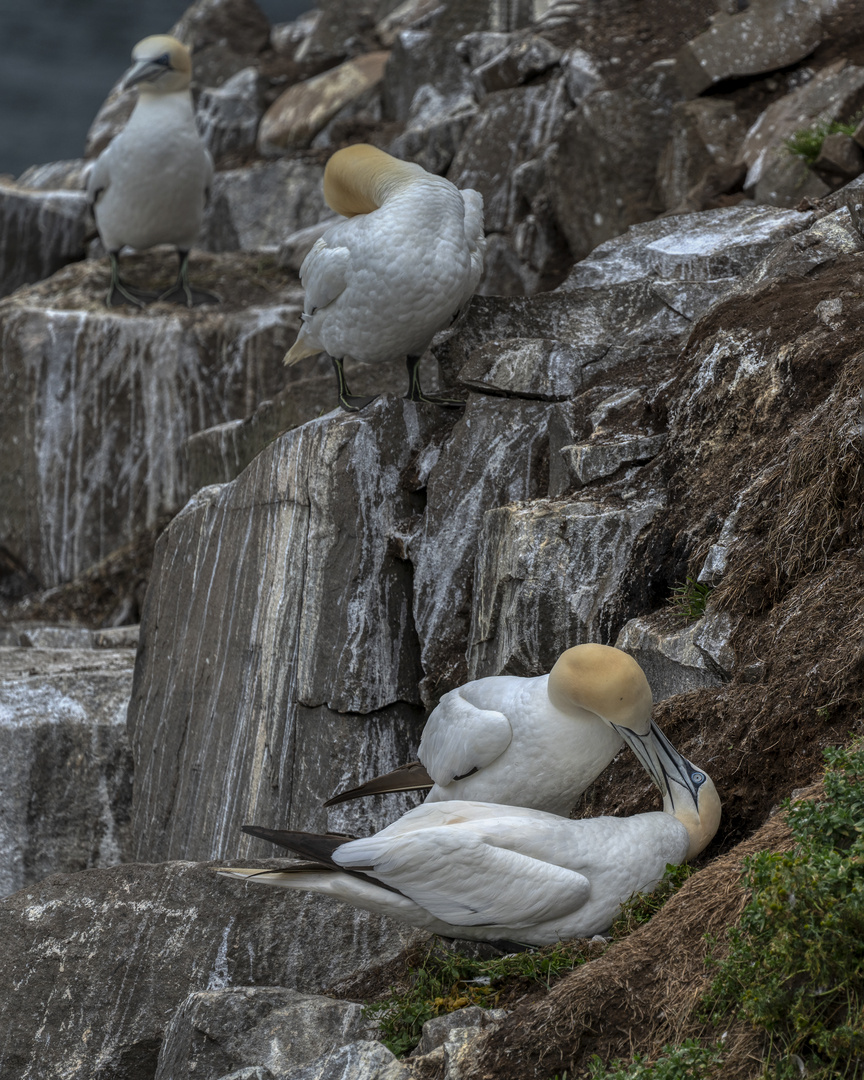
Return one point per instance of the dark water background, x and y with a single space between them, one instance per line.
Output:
59 59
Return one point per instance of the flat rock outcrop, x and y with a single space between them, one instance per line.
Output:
217 1031
96 404
40 231
65 763
114 953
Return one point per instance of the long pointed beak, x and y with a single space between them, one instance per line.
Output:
143 71
669 770
644 748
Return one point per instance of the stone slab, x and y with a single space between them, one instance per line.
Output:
218 1031
96 404
65 763
547 573
306 603
111 954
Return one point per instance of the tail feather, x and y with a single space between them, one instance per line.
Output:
300 349
316 846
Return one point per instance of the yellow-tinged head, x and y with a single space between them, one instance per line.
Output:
161 65
702 820
358 179
605 681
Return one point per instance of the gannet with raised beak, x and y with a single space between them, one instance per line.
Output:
490 872
380 285
535 742
149 185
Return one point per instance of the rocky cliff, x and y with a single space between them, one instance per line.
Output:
662 374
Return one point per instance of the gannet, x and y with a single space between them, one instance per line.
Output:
535 742
149 185
488 872
402 267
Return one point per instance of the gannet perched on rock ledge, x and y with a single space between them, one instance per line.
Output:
489 872
535 742
406 262
149 185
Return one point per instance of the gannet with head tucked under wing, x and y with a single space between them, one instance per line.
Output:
149 185
489 872
535 742
380 285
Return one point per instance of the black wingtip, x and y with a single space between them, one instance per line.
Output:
410 777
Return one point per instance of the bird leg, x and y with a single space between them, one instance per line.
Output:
415 390
348 403
120 292
181 292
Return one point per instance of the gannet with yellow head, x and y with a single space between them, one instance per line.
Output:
380 285
488 872
535 742
149 186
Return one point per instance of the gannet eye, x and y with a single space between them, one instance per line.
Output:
164 60
697 777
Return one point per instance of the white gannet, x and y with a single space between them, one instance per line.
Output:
535 742
490 872
380 285
149 185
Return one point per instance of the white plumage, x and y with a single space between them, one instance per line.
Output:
381 284
149 186
536 742
492 872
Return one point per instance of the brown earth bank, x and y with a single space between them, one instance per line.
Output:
644 992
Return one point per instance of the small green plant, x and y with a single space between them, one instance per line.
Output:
796 963
689 598
446 981
688 1061
643 906
807 142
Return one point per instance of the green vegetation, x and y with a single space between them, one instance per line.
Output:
807 143
642 906
796 964
446 981
688 1061
689 598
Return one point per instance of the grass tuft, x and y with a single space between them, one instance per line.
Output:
446 981
807 142
641 907
689 598
690 1060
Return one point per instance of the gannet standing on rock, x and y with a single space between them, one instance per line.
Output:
380 285
149 186
486 872
535 742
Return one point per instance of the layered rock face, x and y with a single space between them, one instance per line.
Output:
285 609
65 764
118 951
97 404
660 392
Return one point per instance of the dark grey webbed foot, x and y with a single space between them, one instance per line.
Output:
181 292
355 404
347 400
119 292
415 390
